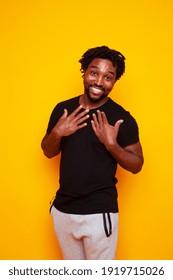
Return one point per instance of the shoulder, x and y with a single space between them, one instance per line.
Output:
67 104
116 111
115 106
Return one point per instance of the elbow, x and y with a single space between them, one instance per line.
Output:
46 152
48 155
50 150
137 168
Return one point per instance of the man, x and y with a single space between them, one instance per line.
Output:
93 134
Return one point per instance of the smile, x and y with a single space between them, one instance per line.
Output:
96 90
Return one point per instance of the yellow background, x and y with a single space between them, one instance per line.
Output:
41 43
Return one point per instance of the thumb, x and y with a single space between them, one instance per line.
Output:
65 113
118 123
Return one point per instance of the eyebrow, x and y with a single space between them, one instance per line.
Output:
109 71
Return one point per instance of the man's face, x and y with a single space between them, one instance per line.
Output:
99 79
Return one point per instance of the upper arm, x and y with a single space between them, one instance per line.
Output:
54 117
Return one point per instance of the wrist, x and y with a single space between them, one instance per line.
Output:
56 134
112 146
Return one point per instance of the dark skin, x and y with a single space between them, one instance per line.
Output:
99 79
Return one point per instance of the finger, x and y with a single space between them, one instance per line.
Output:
95 121
64 115
118 123
80 115
93 125
99 117
81 120
74 113
104 118
81 126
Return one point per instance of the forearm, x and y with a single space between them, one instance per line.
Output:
51 144
127 159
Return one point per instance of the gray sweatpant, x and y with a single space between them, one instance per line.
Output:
86 237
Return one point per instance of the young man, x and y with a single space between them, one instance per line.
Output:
93 134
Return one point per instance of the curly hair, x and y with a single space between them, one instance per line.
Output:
117 59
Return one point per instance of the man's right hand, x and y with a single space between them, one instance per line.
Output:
68 124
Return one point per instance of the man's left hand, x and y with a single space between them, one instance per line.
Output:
106 133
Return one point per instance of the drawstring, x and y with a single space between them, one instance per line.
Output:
108 232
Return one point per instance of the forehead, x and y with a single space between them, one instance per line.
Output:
103 65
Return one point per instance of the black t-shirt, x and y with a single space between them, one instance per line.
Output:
87 169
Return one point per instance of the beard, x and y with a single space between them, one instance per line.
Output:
97 99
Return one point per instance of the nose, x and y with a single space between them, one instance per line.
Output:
99 81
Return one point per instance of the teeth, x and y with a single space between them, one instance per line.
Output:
96 90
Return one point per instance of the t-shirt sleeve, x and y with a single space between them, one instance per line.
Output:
55 116
128 132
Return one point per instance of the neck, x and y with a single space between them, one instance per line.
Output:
88 104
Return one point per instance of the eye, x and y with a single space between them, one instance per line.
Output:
108 78
93 73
